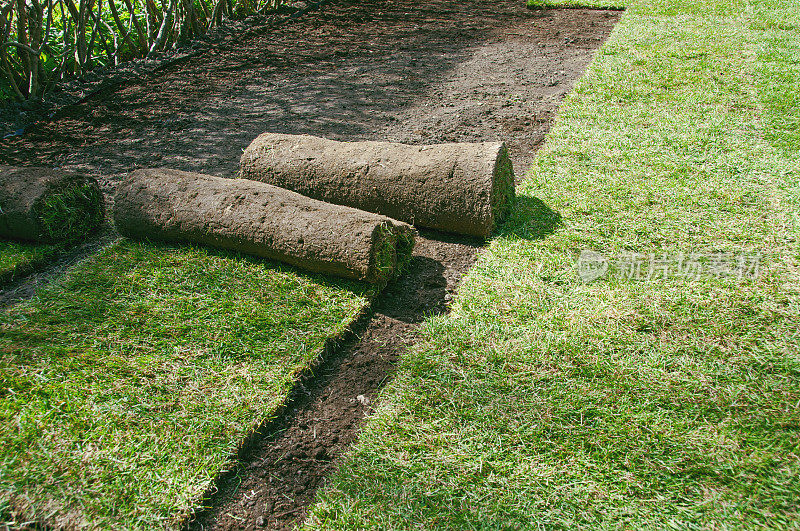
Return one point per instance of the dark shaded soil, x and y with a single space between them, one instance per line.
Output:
398 70
17 118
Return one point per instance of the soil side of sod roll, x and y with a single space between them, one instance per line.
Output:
46 205
465 188
263 220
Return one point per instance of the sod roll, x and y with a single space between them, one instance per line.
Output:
462 188
46 205
262 220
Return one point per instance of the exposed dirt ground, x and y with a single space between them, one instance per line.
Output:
373 70
398 70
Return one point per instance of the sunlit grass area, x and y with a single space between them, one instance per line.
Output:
126 386
665 398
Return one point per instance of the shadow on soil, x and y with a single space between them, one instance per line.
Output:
351 71
337 73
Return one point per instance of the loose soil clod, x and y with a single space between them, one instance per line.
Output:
262 220
465 188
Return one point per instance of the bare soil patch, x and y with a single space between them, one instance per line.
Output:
399 70
374 70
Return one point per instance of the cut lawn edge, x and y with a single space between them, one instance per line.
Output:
305 379
545 402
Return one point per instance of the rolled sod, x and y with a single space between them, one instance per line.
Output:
46 205
262 220
465 188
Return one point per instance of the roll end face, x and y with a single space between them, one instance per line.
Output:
503 188
406 241
72 208
393 244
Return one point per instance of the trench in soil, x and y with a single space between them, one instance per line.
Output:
400 70
281 469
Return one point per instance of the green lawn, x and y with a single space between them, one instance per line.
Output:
544 402
126 386
21 258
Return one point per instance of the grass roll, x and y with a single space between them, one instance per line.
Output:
466 188
262 220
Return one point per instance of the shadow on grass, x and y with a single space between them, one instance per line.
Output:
531 219
20 258
197 253
44 263
327 281
103 287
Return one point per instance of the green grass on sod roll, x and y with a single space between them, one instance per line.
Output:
393 253
405 249
21 258
127 385
635 401
69 215
503 199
